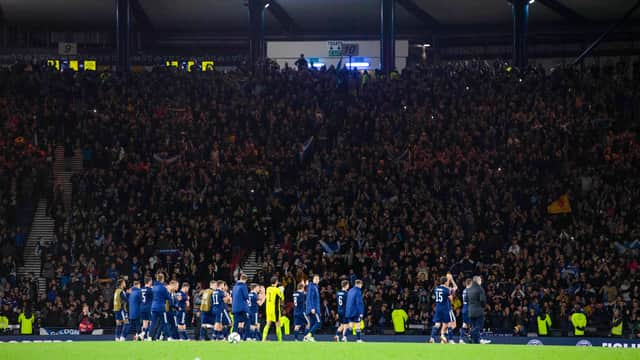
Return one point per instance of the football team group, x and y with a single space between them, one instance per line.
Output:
158 310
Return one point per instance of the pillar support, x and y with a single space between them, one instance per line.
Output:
387 36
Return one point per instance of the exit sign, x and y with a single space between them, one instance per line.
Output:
334 48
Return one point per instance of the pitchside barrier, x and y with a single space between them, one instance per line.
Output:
64 336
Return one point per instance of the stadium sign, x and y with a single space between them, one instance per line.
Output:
334 48
584 342
620 345
52 332
350 49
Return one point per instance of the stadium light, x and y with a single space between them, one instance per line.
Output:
531 1
427 45
357 64
316 65
267 5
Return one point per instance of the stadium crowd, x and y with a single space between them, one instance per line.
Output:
394 181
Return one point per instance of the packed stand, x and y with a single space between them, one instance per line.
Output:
25 168
392 181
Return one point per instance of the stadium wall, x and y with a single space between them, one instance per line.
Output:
502 340
288 52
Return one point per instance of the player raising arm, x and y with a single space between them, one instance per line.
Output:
442 316
452 324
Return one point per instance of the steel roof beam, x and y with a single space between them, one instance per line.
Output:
564 11
419 13
282 16
141 16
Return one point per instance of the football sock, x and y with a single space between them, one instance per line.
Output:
118 331
359 334
314 328
265 333
279 333
435 331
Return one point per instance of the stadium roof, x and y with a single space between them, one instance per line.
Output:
309 16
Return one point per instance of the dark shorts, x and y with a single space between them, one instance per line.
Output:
253 318
226 319
444 317
136 325
342 318
465 317
313 318
240 317
171 316
354 319
181 317
120 315
300 320
145 315
206 318
222 318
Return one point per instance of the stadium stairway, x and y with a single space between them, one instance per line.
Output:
251 265
42 227
63 175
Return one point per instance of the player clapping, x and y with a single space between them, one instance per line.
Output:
443 317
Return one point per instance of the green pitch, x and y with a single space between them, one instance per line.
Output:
301 351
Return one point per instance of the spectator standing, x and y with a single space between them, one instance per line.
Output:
399 318
26 320
301 63
616 324
579 321
544 323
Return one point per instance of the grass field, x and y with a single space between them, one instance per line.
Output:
301 351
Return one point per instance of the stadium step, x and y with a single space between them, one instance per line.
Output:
251 265
41 228
62 175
